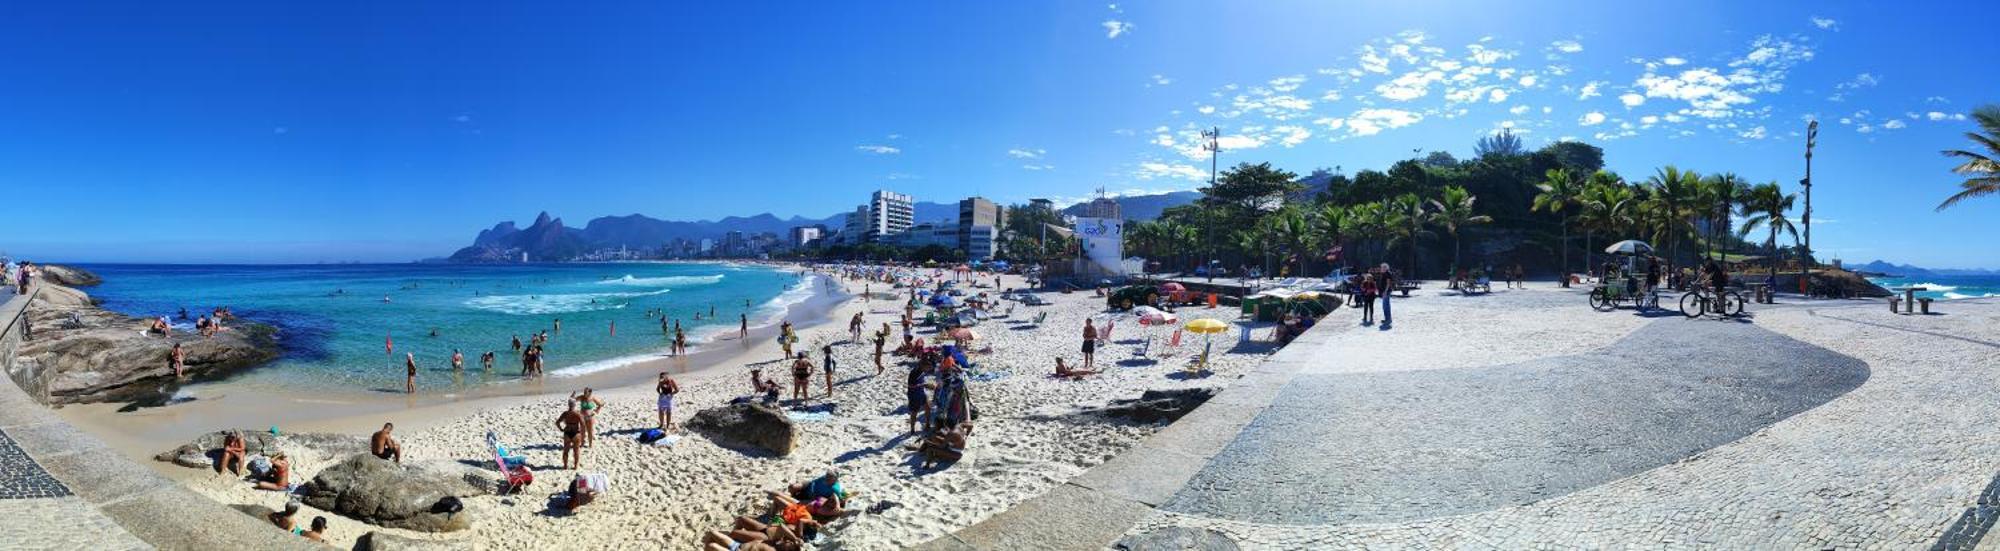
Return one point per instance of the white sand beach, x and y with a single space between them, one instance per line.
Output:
1026 442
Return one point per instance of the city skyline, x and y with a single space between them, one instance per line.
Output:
246 133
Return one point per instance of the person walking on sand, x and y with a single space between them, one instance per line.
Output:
743 326
854 328
410 372
1388 285
178 361
881 338
826 351
667 389
1089 344
802 370
571 425
785 337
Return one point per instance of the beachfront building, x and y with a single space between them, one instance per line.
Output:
980 222
1103 207
887 213
804 235
926 234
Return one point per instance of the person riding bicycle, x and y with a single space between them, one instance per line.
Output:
1717 279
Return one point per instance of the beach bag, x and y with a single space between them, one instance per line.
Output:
260 466
651 436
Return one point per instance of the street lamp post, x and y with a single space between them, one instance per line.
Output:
1805 267
1214 148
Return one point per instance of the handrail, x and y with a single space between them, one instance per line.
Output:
36 385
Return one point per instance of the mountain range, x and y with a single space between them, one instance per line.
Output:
1906 270
548 239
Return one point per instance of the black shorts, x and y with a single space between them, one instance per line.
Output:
1089 346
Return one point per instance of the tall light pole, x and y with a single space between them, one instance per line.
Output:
1214 148
1805 269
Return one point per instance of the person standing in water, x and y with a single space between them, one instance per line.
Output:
558 325
410 372
680 342
457 360
517 344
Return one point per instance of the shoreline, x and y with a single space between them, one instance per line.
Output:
139 433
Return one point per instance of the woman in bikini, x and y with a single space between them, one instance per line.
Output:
802 370
589 405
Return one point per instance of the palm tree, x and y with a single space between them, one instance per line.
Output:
1607 205
1250 241
1368 222
1453 211
1674 192
1332 223
1983 164
1559 191
1720 193
1291 228
1405 223
1765 205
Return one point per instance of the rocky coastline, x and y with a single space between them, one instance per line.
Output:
88 354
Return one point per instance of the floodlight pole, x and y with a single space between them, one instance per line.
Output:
1214 147
1805 270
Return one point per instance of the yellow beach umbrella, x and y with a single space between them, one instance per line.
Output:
1308 295
1207 326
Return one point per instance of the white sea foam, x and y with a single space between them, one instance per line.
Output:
1955 296
606 364
667 281
532 305
1933 286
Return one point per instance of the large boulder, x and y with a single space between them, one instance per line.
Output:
1159 405
377 541
204 450
747 426
88 354
68 275
380 492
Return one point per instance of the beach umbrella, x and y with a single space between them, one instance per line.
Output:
1208 328
943 301
1629 247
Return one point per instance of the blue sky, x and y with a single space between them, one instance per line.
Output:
273 132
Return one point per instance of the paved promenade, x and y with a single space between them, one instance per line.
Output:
1482 423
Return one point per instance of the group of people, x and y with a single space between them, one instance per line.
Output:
273 473
1367 287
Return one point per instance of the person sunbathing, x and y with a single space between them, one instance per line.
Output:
824 496
318 530
232 453
945 446
1063 371
280 479
749 535
283 519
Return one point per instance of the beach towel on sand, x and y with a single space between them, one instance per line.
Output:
808 416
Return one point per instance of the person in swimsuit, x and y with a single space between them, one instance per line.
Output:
571 425
854 328
457 360
801 377
881 338
917 391
1089 344
410 372
589 405
826 352
785 337
486 360
284 518
1063 371
743 326
318 531
680 341
178 361
667 389
517 344
232 453
383 444
280 479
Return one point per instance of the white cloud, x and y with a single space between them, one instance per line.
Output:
1590 90
1592 118
1863 80
1037 167
1368 122
1673 61
1894 124
1528 80
462 118
1567 46
877 149
1936 99
1287 84
1151 170
1331 123
1752 134
1289 102
1632 100
1409 86
903 176
1518 109
1496 96
895 136
1826 23
1205 109
1292 135
1022 153
1160 80
1114 28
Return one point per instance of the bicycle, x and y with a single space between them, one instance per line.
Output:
1698 303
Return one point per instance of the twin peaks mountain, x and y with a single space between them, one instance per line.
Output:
548 240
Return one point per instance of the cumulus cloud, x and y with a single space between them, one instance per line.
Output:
1151 170
1893 124
877 149
1567 46
1632 100
1826 23
1369 122
1114 28
1589 89
1592 118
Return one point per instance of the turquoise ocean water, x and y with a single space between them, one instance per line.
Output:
1946 287
336 320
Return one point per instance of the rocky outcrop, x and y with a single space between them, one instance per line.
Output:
411 497
747 426
68 276
207 448
377 541
1159 405
88 354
